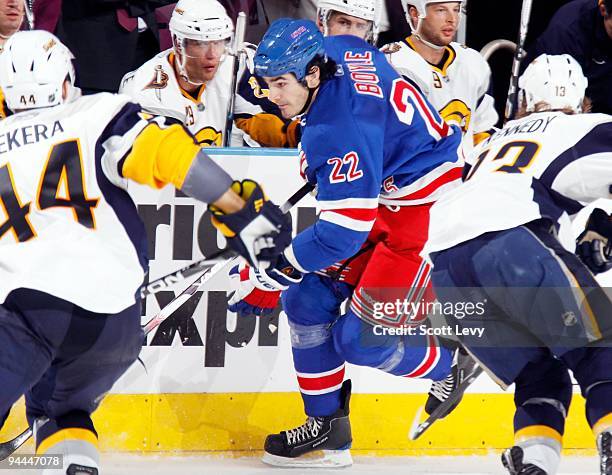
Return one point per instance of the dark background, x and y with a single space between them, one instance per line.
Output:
493 19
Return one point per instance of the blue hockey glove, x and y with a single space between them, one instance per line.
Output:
256 291
260 231
594 245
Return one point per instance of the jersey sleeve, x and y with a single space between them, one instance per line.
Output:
258 117
269 130
345 159
145 149
590 159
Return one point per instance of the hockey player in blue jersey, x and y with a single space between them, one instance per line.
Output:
72 248
493 240
380 155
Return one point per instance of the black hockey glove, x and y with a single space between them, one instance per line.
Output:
594 245
260 231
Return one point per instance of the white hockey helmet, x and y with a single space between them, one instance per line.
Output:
33 68
369 10
556 80
202 20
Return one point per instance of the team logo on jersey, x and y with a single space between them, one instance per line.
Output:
258 92
50 44
160 79
209 137
457 113
569 319
391 48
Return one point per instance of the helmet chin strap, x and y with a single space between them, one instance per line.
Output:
417 35
311 91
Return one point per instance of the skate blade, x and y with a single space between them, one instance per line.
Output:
419 418
318 459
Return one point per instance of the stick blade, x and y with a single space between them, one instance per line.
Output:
9 447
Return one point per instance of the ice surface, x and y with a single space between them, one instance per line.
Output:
114 464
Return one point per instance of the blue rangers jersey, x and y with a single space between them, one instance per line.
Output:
369 138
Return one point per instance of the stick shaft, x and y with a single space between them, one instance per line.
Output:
519 54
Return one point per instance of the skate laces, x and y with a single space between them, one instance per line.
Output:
309 430
442 389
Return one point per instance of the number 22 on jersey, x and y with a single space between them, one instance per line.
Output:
61 185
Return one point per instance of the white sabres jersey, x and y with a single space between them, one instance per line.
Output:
457 88
540 166
67 226
155 87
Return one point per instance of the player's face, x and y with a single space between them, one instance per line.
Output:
288 94
11 16
440 25
342 24
202 58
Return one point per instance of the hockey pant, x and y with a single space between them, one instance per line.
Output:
545 314
323 340
64 359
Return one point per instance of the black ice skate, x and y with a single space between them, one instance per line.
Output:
512 459
445 395
604 446
319 442
462 369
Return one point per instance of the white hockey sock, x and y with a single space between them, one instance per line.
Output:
542 452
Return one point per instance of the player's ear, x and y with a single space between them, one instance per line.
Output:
602 10
65 89
177 47
313 78
413 12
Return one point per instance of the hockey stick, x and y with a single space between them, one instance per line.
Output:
175 277
217 269
519 54
9 447
237 53
444 407
29 13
